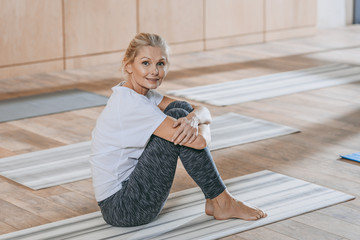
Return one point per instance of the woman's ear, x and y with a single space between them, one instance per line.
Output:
128 68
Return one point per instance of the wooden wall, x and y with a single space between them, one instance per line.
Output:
42 35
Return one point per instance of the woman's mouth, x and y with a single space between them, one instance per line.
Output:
153 79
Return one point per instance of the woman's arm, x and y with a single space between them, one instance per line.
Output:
166 130
189 128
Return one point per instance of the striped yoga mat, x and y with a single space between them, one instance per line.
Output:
273 85
183 215
48 103
70 163
233 129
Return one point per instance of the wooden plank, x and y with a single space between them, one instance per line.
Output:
83 187
5 228
52 191
59 127
75 202
355 204
89 113
19 140
302 231
33 204
17 217
345 90
233 237
331 225
5 153
260 233
343 213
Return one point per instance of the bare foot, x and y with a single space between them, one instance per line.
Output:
226 206
209 207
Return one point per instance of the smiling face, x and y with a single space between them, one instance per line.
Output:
147 70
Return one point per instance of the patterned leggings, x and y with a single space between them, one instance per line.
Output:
144 193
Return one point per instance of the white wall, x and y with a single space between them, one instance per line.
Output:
334 13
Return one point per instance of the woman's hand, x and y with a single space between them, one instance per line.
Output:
187 132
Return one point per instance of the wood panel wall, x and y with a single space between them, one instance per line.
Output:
41 35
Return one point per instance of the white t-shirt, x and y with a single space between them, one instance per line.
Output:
120 136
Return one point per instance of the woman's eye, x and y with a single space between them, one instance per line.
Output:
146 63
161 64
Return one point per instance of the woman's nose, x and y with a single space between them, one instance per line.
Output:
155 70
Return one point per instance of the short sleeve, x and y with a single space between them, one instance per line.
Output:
140 121
154 97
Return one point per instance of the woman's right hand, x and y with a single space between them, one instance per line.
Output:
187 130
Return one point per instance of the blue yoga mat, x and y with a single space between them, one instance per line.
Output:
48 103
354 156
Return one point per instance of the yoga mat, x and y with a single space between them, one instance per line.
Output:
70 163
354 156
183 216
273 85
233 129
48 103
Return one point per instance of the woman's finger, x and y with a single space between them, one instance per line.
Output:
179 139
185 139
176 123
177 133
190 135
192 139
185 131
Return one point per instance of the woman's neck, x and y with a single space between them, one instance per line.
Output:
136 88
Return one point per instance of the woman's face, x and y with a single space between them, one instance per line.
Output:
148 69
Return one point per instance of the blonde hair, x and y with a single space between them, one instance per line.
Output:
142 40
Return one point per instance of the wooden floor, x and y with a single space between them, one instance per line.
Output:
329 120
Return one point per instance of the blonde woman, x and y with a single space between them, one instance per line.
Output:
138 138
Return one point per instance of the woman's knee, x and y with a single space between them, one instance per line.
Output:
177 113
179 105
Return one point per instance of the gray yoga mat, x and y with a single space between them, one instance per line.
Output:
183 216
273 85
232 129
48 103
70 163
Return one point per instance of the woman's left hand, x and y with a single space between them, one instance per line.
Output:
187 130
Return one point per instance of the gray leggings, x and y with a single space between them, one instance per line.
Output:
144 193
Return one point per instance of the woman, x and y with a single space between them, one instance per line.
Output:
138 138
